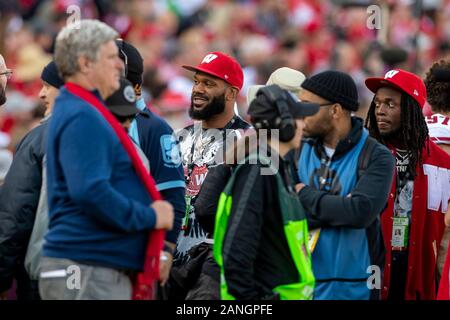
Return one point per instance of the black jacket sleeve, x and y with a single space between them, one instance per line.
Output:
240 246
19 199
176 198
208 198
366 201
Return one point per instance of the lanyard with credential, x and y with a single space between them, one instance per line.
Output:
325 163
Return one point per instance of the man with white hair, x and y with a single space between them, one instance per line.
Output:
100 209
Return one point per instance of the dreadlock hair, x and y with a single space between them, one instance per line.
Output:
414 129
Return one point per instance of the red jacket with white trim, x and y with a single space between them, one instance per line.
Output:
430 200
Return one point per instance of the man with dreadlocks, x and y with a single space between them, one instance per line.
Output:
413 221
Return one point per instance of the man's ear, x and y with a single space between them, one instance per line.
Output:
337 110
231 94
84 64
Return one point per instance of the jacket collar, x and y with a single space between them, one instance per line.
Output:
344 145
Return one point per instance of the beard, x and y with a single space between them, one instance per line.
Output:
392 135
319 130
2 96
215 107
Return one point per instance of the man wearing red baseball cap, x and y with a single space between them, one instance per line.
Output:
218 78
413 221
217 72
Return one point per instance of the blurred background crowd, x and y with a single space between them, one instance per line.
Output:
307 35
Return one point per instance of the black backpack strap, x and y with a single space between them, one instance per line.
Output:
365 155
292 158
297 153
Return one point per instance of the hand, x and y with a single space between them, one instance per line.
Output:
299 187
447 217
4 295
164 214
165 264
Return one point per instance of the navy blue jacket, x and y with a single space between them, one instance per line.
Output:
99 210
156 139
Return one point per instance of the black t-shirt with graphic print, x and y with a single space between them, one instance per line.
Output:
199 152
402 208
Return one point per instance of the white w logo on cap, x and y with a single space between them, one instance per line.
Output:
390 74
210 57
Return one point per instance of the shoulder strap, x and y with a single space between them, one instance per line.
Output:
297 154
365 155
240 210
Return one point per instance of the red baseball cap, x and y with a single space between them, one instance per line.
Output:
221 66
402 80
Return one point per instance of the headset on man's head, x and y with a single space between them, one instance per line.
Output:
284 122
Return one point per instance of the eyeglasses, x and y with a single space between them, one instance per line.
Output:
8 73
319 104
326 104
125 58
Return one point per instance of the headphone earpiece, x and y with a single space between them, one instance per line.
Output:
287 124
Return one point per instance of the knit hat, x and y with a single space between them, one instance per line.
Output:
134 64
50 75
334 86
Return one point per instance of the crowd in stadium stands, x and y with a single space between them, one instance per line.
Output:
306 35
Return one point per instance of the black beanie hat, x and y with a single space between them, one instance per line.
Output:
134 64
50 75
334 86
